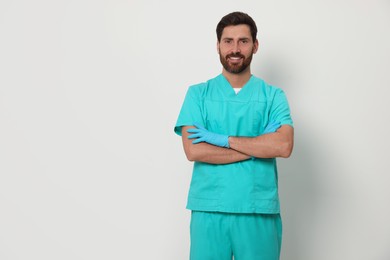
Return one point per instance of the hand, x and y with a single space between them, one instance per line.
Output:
201 134
271 127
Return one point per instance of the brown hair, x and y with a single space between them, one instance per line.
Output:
236 18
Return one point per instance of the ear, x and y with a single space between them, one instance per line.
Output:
218 47
256 46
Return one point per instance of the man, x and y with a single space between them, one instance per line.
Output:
233 127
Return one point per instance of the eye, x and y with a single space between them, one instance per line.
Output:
244 41
227 41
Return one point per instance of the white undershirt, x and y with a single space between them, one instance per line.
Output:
237 90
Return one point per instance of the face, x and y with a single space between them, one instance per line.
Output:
236 48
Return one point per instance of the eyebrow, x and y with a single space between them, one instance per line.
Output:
242 38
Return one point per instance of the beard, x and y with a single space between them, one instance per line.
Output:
235 68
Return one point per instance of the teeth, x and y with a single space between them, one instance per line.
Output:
235 58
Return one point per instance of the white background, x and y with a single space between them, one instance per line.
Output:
90 91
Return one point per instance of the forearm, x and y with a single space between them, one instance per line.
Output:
278 144
207 153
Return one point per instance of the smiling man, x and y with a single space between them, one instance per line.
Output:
233 128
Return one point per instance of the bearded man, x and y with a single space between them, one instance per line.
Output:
233 128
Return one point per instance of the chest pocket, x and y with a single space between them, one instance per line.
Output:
235 118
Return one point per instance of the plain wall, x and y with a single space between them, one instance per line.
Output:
90 91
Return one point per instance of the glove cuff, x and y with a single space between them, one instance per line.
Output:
227 142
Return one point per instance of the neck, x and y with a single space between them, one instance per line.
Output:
237 80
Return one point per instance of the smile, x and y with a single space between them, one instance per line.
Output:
235 60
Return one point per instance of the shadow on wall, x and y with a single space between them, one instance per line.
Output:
299 188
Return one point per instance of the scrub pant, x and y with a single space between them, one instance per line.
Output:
220 236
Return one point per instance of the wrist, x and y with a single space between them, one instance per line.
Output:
227 141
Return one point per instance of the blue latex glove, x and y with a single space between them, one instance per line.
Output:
201 134
271 127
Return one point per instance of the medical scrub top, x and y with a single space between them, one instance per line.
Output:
249 186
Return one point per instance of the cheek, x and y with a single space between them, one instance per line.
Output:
222 53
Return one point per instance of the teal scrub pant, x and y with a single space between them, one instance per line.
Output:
220 236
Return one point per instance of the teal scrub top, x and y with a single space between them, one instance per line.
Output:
249 186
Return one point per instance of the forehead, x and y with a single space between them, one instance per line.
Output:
237 31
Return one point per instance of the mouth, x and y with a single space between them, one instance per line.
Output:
235 58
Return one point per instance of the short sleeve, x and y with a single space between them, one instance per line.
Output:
280 109
191 111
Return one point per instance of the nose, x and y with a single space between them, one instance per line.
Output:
236 48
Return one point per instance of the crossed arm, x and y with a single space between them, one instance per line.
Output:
271 145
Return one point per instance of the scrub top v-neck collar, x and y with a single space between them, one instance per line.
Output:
243 95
